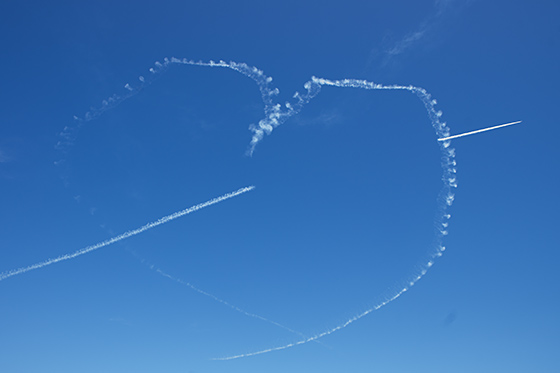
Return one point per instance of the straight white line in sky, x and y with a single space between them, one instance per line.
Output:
477 131
165 219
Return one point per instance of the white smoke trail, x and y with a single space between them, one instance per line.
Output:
165 219
276 114
69 133
159 271
225 303
478 131
323 334
445 198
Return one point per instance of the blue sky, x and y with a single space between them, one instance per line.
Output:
345 211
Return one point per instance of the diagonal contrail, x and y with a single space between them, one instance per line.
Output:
225 303
477 131
165 219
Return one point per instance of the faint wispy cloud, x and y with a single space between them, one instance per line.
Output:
424 33
407 41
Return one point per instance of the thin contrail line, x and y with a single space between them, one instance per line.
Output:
159 271
165 219
477 131
226 303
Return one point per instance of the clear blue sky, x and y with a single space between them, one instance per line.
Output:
346 191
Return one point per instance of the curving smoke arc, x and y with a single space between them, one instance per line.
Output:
275 114
445 198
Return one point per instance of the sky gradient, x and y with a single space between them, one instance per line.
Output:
352 188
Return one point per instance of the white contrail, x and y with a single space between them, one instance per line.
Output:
478 131
153 267
165 219
225 303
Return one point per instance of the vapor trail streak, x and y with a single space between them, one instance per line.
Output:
225 303
477 131
165 219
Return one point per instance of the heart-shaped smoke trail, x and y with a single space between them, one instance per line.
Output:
275 115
